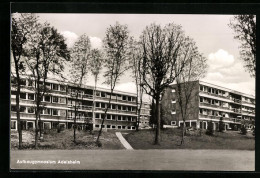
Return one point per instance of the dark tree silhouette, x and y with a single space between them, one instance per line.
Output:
244 27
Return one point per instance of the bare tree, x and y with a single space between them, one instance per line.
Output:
162 50
116 48
96 60
45 52
244 27
80 58
187 82
135 63
21 28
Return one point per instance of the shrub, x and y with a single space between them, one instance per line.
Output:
221 127
243 130
210 130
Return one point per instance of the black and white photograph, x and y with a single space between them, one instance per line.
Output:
118 91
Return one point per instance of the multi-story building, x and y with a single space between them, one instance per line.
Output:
145 114
59 106
209 102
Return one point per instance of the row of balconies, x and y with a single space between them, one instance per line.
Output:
229 97
218 117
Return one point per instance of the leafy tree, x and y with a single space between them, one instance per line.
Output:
116 50
187 82
221 126
96 60
210 130
164 56
243 130
135 63
244 27
80 59
46 52
21 29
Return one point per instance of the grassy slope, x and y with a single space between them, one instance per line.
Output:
64 140
171 138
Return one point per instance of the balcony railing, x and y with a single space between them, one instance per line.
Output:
79 118
213 94
218 118
235 110
213 105
82 107
248 102
80 95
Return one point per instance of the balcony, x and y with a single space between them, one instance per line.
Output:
80 95
80 118
81 107
214 106
235 110
218 118
213 94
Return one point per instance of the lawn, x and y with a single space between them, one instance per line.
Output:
171 139
64 140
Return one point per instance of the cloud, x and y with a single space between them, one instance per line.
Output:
95 42
70 37
220 59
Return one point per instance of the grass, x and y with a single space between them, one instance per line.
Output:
64 140
171 139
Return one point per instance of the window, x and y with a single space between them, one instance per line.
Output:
119 127
47 99
97 126
97 115
63 100
133 119
201 88
55 99
119 97
55 112
173 112
123 127
129 98
129 108
23 81
30 83
103 126
129 118
98 93
22 109
103 105
55 87
47 111
30 96
173 101
200 111
113 117
103 94
173 90
108 126
173 122
133 127
102 116
119 107
119 118
23 95
124 108
201 99
13 108
123 118
129 127
109 117
124 98
113 126
62 88
113 106
30 110
13 125
98 105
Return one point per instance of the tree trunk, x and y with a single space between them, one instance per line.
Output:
157 133
183 132
18 115
36 131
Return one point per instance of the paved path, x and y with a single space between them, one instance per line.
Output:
123 141
218 160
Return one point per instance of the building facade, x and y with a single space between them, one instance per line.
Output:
59 107
209 103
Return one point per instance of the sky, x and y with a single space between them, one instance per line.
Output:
213 36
